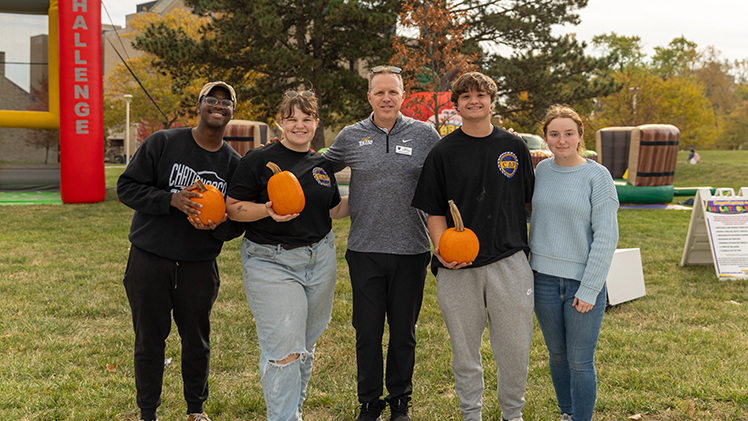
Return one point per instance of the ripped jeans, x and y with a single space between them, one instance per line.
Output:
290 294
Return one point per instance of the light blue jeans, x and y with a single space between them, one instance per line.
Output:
571 338
290 293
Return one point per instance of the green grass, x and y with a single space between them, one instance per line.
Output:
679 353
716 169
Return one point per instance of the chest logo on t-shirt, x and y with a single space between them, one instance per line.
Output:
366 141
321 176
508 164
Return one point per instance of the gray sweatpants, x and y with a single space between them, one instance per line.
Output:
501 294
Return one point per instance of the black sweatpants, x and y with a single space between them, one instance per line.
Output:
155 287
386 285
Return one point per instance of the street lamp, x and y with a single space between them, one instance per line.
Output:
636 91
127 128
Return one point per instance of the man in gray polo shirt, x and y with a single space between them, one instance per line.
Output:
388 244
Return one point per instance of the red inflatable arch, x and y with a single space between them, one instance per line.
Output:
75 96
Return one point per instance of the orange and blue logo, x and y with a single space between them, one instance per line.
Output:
508 164
321 176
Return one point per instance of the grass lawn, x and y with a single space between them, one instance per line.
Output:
679 353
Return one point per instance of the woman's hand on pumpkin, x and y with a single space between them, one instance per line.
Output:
276 217
181 200
450 265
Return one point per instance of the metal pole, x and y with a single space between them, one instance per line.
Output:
127 128
636 91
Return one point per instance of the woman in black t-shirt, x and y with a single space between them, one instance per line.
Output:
289 260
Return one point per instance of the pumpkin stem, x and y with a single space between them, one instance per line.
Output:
456 217
200 186
276 169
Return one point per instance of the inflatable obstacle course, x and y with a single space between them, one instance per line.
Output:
244 135
646 155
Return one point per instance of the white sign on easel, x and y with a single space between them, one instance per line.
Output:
718 232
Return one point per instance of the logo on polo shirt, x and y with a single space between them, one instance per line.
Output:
508 164
321 176
366 141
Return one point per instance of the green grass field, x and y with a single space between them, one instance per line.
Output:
679 353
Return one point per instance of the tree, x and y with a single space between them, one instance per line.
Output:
719 84
266 47
655 93
432 60
532 67
519 25
534 80
158 85
175 103
625 51
42 138
680 58
736 128
740 70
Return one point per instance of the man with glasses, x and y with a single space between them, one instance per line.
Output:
388 243
172 263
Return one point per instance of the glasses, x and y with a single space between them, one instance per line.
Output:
225 103
390 69
303 94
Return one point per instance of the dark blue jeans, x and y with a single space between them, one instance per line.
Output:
571 338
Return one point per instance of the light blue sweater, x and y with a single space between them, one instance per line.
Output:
574 225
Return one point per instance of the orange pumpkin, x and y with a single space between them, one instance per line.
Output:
285 191
458 244
214 205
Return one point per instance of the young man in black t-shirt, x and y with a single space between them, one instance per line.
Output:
488 173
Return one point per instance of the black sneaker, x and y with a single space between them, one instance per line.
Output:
371 411
399 410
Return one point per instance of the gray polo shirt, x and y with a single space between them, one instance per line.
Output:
385 167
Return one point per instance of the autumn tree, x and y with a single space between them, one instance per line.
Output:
158 102
433 59
735 126
284 45
141 108
46 139
661 91
714 74
726 88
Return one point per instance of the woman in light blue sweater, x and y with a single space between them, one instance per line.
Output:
573 235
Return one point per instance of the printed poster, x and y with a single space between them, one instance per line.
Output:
727 226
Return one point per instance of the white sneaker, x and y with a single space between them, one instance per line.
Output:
565 417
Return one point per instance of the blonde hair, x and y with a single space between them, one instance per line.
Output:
564 111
